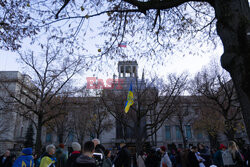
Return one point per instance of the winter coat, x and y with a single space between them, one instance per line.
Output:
85 161
218 158
25 160
152 160
72 158
140 161
47 161
165 160
227 158
7 162
238 160
123 158
61 158
193 161
107 162
205 154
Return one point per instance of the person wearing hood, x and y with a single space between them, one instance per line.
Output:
26 159
47 159
86 159
76 153
61 156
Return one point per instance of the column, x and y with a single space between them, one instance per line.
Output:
131 71
119 71
124 68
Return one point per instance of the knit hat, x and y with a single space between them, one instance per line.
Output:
222 146
163 148
27 151
61 145
76 146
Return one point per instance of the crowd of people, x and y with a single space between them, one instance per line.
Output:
93 154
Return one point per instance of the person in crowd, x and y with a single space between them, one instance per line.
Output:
86 158
107 159
153 159
165 160
232 157
200 159
192 159
98 149
236 155
61 156
123 156
184 157
178 158
47 159
141 160
205 154
76 153
172 157
217 158
26 159
247 156
5 159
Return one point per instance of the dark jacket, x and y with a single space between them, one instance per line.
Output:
72 158
238 160
218 161
107 162
153 160
123 158
192 160
7 162
61 158
85 161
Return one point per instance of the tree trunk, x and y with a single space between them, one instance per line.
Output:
38 147
183 137
139 136
213 139
233 28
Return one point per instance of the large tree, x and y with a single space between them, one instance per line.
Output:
41 98
215 91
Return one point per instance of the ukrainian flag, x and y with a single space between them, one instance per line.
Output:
130 98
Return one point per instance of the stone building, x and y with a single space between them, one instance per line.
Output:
80 108
13 126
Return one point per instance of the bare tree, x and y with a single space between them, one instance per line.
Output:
152 107
210 121
43 95
182 115
217 92
100 119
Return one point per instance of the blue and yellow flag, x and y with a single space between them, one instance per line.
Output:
130 98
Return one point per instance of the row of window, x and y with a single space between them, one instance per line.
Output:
187 132
70 137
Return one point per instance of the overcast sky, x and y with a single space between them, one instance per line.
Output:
176 63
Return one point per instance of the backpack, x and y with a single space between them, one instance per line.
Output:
227 158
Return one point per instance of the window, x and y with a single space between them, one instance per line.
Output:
199 135
71 136
188 131
178 132
168 132
48 138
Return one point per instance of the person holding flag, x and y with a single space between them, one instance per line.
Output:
130 98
